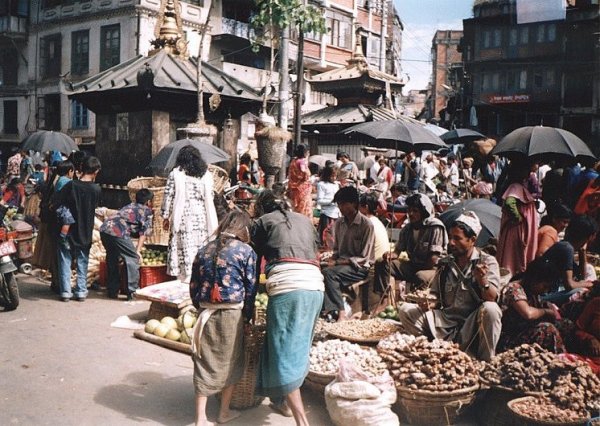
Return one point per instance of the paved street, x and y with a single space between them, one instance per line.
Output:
62 364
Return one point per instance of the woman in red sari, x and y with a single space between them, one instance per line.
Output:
517 242
299 186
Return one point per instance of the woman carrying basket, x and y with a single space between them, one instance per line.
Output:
188 210
288 242
223 288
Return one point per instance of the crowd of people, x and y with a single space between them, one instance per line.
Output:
548 224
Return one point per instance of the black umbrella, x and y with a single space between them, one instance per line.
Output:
321 159
48 140
544 143
164 161
488 212
398 134
458 136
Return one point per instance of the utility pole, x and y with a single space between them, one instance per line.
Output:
284 87
284 77
383 44
299 91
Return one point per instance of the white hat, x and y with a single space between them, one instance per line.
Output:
470 219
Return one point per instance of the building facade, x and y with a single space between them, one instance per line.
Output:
63 42
446 60
47 45
533 73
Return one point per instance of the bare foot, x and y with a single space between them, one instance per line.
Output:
282 409
204 422
231 414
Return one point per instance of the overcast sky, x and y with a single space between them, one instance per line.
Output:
421 18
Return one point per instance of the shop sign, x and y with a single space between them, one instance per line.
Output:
508 99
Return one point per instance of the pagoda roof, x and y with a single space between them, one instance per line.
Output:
356 73
161 73
347 115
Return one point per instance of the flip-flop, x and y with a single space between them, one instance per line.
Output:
282 409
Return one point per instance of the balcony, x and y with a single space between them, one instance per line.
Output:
237 28
14 26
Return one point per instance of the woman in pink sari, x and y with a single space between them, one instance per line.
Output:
299 186
517 243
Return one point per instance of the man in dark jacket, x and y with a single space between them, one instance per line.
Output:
80 197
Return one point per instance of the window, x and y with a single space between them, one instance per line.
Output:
50 56
551 32
511 81
487 35
373 52
9 67
486 81
550 78
79 116
80 46
513 36
538 81
110 46
10 118
47 4
524 35
15 8
496 81
49 112
497 37
541 31
523 79
340 30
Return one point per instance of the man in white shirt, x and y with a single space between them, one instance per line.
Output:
453 175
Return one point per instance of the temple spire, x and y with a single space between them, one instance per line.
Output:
169 30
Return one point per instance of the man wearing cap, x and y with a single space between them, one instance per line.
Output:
466 288
424 239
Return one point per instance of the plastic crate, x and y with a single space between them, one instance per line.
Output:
150 275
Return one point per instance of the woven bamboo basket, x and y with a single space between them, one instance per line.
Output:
492 409
260 315
528 421
420 407
156 185
32 205
243 394
220 178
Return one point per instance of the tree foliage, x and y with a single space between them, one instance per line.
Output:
288 13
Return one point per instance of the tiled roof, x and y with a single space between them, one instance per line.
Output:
347 115
167 73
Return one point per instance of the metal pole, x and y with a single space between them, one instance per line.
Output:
299 91
199 83
284 87
382 46
284 77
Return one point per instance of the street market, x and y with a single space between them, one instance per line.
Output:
209 262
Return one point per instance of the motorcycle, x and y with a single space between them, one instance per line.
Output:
9 290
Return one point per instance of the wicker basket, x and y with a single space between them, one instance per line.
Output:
492 409
220 178
420 407
528 421
243 394
157 186
260 315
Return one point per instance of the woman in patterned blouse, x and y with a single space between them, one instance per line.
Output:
525 318
223 288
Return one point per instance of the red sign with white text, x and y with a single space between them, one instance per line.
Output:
508 99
